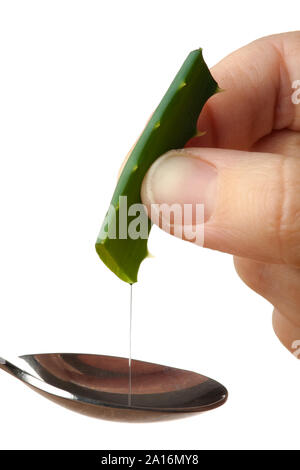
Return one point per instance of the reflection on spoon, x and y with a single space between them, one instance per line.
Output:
98 386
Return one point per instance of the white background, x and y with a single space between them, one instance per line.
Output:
78 81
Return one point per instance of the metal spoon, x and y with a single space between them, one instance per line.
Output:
98 386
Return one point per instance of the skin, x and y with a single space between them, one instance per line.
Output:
253 141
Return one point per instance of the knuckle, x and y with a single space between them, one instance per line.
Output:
255 274
287 218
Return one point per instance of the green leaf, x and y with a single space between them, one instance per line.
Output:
170 127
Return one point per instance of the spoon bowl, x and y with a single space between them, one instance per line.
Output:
98 385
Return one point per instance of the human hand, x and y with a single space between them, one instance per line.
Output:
246 172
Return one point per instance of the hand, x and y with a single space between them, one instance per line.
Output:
246 172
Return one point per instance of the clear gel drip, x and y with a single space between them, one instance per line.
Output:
129 357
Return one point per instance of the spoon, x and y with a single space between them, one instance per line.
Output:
98 386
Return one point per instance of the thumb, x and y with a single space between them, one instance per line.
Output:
251 200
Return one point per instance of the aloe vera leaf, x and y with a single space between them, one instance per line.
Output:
170 127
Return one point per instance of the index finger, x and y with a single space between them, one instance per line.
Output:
257 80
